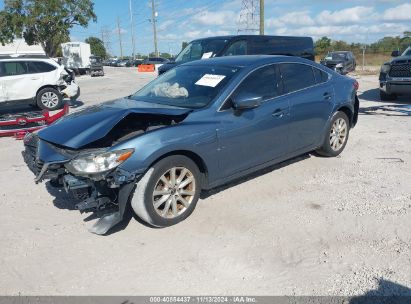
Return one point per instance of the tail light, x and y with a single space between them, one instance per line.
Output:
356 85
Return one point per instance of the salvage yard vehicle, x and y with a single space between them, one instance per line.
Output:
76 56
395 76
36 79
96 66
242 45
192 129
342 62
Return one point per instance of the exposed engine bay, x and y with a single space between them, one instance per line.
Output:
105 192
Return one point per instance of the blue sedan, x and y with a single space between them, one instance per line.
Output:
198 126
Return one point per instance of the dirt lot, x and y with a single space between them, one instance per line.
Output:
311 226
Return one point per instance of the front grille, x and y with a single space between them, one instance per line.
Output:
30 154
400 70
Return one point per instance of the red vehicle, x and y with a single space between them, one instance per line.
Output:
19 123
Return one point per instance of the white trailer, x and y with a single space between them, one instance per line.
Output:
76 56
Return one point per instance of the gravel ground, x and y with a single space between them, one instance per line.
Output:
310 226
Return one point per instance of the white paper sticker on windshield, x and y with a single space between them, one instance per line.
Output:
207 55
210 80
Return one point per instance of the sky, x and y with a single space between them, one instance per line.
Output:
361 21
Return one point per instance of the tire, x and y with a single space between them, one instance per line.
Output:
386 97
49 99
170 208
337 135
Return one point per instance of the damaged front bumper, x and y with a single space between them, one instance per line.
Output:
105 195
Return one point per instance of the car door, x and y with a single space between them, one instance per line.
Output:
18 84
311 103
254 136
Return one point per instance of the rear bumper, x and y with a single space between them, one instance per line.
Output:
396 85
18 124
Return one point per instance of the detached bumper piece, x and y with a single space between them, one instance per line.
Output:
19 124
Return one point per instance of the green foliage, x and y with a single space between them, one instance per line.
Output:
322 45
45 22
97 47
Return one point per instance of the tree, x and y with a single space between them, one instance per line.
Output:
44 22
322 45
97 47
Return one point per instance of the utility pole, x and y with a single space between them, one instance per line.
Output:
133 43
153 20
119 37
261 17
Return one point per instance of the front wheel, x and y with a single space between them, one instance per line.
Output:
337 135
168 192
49 99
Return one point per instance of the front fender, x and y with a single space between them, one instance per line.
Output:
200 139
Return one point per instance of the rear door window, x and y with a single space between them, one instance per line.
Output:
237 48
320 76
14 68
35 67
296 76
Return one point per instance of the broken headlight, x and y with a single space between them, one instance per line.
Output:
385 68
98 162
339 65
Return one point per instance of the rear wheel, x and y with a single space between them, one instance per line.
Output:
386 97
337 136
168 192
49 99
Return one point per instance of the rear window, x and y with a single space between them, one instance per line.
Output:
39 67
320 76
297 76
12 68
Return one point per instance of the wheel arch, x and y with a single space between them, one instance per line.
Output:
47 86
197 159
351 117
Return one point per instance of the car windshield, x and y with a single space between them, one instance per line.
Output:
407 52
95 60
187 86
201 49
336 56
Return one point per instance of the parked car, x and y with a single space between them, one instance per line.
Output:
137 62
242 45
155 60
342 62
96 66
36 79
192 129
125 63
395 75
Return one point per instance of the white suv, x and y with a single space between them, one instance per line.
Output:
37 79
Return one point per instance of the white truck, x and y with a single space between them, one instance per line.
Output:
76 56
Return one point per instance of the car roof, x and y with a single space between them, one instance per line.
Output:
247 60
246 36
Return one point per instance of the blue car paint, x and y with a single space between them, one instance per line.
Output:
229 145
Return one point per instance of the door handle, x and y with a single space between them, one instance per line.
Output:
35 78
327 96
279 113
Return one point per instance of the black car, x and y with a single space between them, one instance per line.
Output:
137 62
155 60
342 62
243 45
96 66
395 75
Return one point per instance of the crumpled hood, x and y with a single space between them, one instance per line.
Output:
93 123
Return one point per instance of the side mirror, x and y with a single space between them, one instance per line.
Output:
246 101
395 53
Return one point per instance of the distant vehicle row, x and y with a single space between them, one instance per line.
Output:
134 63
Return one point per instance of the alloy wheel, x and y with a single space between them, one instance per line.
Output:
338 134
174 192
49 99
